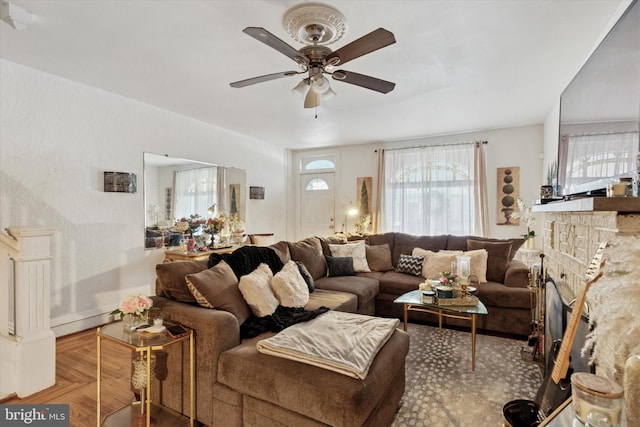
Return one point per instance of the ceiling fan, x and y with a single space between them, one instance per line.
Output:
317 25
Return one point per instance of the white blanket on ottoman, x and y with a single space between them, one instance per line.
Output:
342 342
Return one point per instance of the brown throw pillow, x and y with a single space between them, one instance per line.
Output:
379 257
309 251
497 260
217 288
171 281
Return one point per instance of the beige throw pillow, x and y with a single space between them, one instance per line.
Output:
379 257
435 262
256 290
289 286
355 251
478 263
217 288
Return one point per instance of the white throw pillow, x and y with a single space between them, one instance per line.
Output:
357 251
435 262
479 259
289 286
256 290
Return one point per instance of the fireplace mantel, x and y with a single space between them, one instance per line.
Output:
592 204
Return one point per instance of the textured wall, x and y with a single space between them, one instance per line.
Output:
570 241
57 137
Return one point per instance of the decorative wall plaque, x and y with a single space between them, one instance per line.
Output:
120 182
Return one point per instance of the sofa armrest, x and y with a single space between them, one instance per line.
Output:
517 275
215 331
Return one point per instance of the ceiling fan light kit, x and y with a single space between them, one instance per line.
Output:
317 25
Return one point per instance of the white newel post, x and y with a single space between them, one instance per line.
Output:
27 343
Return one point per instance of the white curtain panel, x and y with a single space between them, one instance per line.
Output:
430 190
195 191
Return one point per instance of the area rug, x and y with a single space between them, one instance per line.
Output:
442 390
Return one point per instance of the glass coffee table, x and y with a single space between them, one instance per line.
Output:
412 301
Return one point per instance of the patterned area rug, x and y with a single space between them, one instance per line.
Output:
443 391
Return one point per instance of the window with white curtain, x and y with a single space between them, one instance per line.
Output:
593 156
195 191
429 190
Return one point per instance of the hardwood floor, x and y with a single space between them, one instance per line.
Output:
76 378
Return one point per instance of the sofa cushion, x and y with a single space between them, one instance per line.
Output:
217 288
494 294
459 243
410 265
379 257
397 284
309 252
329 397
256 290
435 262
381 239
354 250
335 300
282 249
497 260
340 266
404 244
289 286
170 279
364 288
335 239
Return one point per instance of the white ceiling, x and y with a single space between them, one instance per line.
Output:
458 65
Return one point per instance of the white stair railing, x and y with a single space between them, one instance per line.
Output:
27 343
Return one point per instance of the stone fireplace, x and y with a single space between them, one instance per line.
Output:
572 231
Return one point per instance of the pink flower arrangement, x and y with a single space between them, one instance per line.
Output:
448 278
137 305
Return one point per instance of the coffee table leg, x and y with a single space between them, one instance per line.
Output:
473 342
406 313
440 322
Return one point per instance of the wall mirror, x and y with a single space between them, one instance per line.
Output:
600 113
177 188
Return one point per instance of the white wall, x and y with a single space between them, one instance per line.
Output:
57 137
520 146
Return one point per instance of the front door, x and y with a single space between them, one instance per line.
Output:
317 212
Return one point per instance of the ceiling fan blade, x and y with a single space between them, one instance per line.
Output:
311 100
265 78
373 41
368 82
274 42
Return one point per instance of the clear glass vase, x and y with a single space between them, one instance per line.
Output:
131 321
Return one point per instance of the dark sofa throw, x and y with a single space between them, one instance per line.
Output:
282 318
247 258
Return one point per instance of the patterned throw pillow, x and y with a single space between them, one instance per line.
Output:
410 265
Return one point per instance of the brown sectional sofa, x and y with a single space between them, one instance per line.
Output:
238 386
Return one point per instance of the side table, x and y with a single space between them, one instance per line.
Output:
172 255
145 344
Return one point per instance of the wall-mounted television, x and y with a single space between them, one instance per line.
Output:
600 113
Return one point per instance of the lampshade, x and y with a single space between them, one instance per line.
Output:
302 87
320 85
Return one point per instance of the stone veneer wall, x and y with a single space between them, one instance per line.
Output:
570 240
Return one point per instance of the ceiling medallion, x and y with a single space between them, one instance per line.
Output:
309 23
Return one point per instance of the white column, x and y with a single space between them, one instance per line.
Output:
27 343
